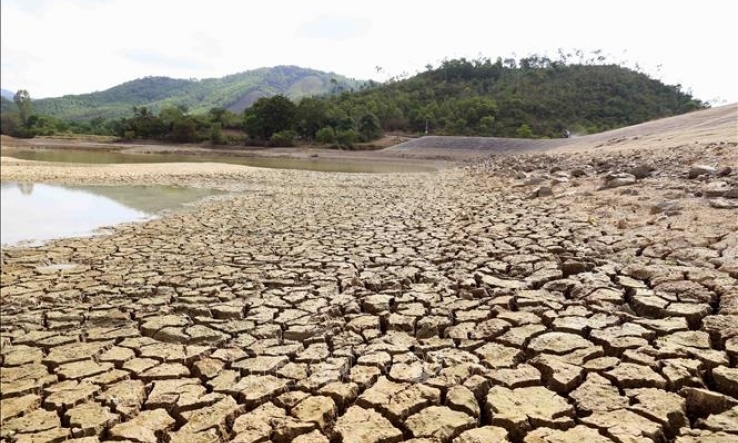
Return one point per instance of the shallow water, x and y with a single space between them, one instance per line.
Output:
32 213
312 164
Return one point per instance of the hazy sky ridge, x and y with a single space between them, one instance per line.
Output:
57 47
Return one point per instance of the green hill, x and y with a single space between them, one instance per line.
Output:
234 92
7 105
533 97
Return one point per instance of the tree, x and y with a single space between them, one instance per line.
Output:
143 124
216 135
169 115
269 115
486 126
10 123
23 100
346 138
45 125
184 131
310 115
325 135
369 127
218 115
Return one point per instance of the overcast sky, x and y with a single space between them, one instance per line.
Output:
57 47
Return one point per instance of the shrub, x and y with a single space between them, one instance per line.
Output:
524 131
216 135
282 138
346 138
325 135
184 131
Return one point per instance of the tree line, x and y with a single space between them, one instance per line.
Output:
534 97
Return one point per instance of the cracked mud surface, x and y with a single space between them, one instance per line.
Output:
468 305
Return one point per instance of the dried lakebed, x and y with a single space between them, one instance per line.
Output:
458 306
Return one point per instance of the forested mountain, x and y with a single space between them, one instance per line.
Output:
4 93
531 97
234 92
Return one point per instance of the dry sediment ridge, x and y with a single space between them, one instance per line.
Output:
540 298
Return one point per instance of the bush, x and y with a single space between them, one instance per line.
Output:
216 135
325 135
282 138
346 138
524 131
184 131
10 123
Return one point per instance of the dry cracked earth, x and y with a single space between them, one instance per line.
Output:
536 299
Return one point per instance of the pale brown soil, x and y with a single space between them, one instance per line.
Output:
521 298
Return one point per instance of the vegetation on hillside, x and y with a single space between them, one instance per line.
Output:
532 97
234 92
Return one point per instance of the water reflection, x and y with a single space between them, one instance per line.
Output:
25 188
312 164
35 212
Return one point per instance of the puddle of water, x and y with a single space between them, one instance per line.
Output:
312 164
32 213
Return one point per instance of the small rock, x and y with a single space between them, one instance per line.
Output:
667 207
532 181
641 171
573 267
628 191
541 191
697 170
723 203
716 189
618 179
724 171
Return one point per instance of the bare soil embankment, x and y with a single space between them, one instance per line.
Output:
717 124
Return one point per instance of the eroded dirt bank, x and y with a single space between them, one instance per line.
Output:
578 296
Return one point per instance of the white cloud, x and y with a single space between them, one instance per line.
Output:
54 47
